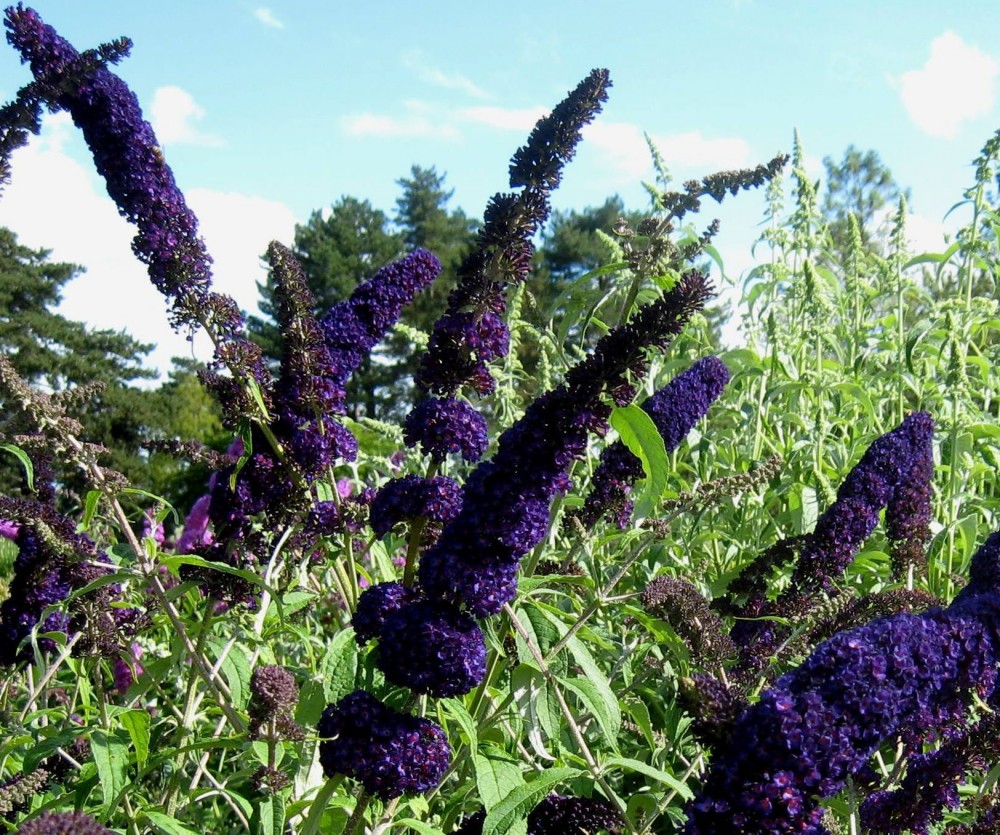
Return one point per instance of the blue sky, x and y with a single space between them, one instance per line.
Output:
266 113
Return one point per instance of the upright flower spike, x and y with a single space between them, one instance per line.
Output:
505 506
906 677
674 409
471 333
539 163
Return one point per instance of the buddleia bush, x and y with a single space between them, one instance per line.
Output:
642 587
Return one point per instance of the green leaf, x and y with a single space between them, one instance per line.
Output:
456 710
638 432
167 825
246 435
496 776
22 456
651 772
173 561
603 693
339 666
111 758
236 670
90 505
269 816
312 701
640 713
254 388
294 601
136 722
517 805
602 705
538 705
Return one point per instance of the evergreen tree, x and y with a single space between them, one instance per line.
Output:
862 186
55 353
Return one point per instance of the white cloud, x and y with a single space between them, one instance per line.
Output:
416 62
502 117
415 124
922 233
53 202
692 150
237 229
624 145
266 16
174 113
957 83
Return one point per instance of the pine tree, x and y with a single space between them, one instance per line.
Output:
863 186
55 353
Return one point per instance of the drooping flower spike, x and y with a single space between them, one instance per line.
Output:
906 677
470 335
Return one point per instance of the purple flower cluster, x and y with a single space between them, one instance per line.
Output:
431 647
138 179
375 605
310 391
906 676
63 823
436 499
318 359
49 565
443 425
679 603
880 477
674 409
505 509
471 333
351 328
930 787
426 645
388 752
